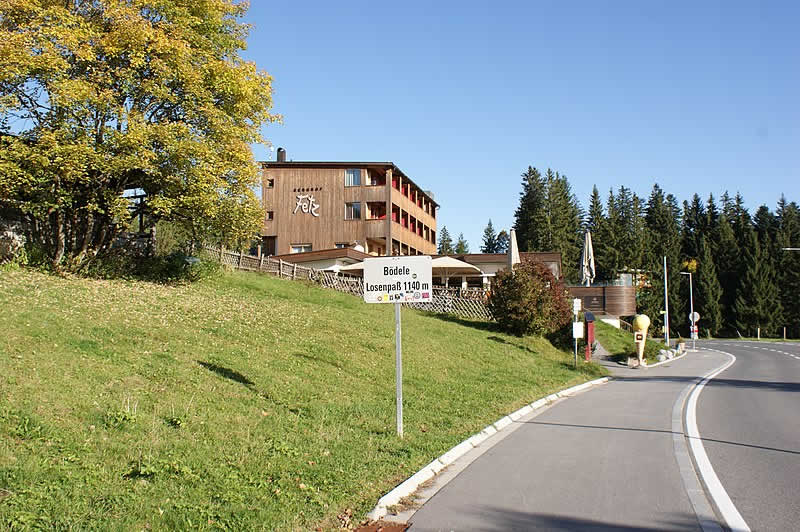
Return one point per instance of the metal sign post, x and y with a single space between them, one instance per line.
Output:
398 361
577 327
397 280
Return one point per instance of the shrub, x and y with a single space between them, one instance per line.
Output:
529 301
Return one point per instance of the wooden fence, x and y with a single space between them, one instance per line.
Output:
462 302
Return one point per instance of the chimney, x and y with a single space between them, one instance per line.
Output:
281 155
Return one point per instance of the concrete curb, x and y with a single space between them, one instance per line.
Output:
412 483
668 360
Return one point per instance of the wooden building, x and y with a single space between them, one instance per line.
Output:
312 206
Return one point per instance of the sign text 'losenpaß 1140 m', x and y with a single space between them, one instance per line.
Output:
403 279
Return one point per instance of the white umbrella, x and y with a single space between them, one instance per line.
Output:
357 267
513 250
587 260
446 266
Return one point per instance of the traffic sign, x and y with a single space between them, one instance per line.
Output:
397 280
576 305
577 329
694 317
403 279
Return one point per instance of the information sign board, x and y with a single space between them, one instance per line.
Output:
577 329
576 305
403 279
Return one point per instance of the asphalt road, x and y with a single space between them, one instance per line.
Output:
602 460
749 421
611 458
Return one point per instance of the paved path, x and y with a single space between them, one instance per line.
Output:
749 420
602 460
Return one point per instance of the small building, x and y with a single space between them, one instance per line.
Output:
326 259
371 206
491 263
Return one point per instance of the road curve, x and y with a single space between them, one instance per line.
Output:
602 460
749 423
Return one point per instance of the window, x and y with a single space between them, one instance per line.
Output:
270 183
270 215
352 211
352 177
301 248
341 245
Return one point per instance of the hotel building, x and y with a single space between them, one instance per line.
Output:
313 206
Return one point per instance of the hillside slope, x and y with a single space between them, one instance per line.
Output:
241 402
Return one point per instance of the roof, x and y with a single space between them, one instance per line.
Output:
323 254
344 164
502 257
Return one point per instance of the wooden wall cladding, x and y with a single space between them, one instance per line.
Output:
620 300
291 225
614 300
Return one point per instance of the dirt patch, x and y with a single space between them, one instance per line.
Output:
383 526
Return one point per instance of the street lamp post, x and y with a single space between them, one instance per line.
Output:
691 308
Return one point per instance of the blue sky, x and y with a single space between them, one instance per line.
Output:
464 96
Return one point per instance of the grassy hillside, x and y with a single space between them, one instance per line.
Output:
620 343
241 402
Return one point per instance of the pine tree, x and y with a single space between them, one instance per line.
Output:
788 236
595 216
693 222
445 242
757 304
502 241
563 233
489 239
709 291
529 215
727 259
462 246
607 242
662 218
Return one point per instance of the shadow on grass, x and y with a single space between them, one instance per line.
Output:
228 373
475 324
312 358
501 340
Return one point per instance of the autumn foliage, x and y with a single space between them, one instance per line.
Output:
103 96
529 301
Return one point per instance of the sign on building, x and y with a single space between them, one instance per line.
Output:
403 279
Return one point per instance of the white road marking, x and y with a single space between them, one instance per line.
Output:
727 509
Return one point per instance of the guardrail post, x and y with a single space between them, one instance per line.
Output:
280 268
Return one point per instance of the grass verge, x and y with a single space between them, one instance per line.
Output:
239 402
620 343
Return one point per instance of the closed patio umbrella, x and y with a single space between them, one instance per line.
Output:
513 250
587 260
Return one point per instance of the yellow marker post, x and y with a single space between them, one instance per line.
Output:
640 325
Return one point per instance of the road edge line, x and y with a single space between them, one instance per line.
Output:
412 483
733 519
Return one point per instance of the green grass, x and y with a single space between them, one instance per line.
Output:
620 343
241 402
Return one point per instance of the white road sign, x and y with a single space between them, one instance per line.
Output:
694 317
576 305
398 279
577 329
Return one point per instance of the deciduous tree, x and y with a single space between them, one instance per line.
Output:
109 95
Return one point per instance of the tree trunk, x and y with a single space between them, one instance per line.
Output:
59 239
